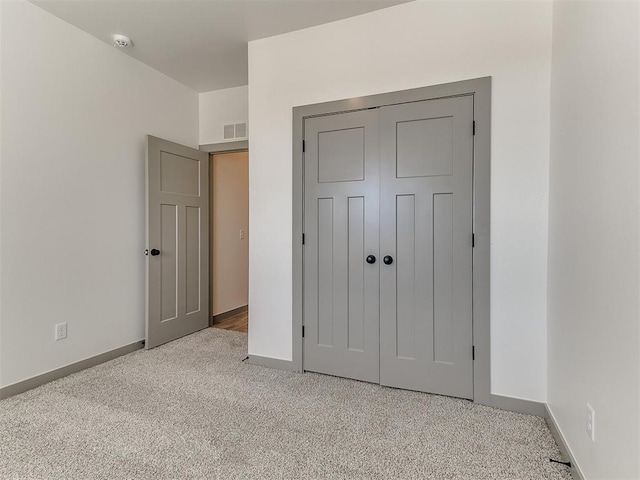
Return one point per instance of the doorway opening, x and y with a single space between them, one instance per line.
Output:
229 254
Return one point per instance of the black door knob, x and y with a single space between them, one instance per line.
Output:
388 259
155 252
371 259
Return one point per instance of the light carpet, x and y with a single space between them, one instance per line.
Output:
192 409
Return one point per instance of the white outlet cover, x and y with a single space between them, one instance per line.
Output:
591 423
61 331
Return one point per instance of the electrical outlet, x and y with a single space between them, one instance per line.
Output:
61 331
241 234
591 423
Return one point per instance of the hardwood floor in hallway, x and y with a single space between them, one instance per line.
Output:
237 323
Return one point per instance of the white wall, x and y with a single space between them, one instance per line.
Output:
75 112
412 45
219 108
1 135
230 215
594 241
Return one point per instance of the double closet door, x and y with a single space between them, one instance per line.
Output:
388 210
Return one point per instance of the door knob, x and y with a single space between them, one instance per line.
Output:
155 252
371 259
388 259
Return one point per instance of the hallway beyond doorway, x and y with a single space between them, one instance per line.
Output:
237 323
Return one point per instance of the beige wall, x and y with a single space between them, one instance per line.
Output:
230 211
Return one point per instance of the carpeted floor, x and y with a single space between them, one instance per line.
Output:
192 409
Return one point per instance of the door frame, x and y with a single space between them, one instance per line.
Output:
480 89
216 149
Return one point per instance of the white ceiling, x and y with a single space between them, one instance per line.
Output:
202 44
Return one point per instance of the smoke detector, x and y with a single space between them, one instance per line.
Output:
122 41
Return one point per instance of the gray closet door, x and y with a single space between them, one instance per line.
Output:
426 170
341 290
178 241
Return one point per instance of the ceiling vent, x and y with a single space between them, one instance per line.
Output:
237 130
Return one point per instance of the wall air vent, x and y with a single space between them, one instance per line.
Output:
241 130
229 131
238 130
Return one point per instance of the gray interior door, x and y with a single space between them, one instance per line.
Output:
426 151
177 241
341 289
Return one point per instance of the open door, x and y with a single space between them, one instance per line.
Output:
177 218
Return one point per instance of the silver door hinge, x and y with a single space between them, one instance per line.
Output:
474 128
473 352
